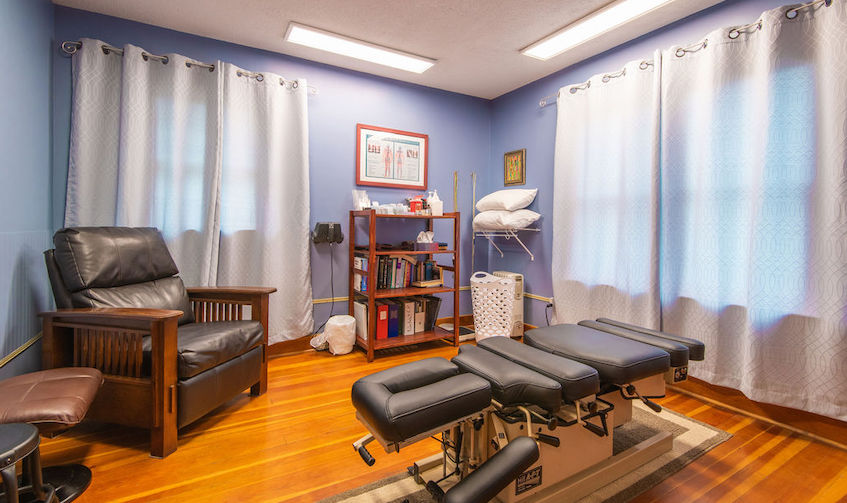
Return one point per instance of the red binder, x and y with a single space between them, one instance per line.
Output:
381 321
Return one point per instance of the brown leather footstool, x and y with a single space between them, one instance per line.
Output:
53 401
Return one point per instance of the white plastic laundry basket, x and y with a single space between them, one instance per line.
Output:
492 298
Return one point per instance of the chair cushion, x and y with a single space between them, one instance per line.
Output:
103 257
51 400
165 293
118 267
201 346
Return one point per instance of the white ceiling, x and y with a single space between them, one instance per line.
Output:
476 42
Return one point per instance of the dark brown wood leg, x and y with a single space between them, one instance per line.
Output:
163 435
262 386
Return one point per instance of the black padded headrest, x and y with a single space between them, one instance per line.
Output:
105 257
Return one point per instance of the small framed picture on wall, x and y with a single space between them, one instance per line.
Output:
391 158
514 167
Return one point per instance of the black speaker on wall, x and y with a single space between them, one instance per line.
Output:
327 232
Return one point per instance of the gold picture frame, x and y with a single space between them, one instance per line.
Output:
514 167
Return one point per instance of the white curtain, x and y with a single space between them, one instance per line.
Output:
265 195
218 162
145 151
754 205
605 242
751 210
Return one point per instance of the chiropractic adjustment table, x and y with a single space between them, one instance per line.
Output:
530 421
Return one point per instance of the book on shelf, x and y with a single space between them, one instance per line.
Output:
360 282
433 305
393 318
408 316
360 312
403 271
420 314
381 320
360 263
398 317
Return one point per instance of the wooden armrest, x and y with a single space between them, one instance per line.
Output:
80 337
230 293
231 290
116 313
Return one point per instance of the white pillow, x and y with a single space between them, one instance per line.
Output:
499 220
508 199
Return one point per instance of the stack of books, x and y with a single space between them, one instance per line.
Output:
400 316
397 271
360 281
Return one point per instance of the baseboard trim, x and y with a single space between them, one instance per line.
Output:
23 347
826 430
548 300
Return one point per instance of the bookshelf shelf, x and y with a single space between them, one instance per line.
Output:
371 256
407 340
388 293
404 252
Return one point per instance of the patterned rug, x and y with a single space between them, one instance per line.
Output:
691 439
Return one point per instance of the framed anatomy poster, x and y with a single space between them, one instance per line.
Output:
391 158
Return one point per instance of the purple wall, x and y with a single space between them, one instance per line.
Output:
518 122
453 122
25 30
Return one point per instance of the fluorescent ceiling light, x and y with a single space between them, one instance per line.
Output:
591 26
326 41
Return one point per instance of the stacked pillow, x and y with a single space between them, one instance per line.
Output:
504 210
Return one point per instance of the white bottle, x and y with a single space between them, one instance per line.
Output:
435 204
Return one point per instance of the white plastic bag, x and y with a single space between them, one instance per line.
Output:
340 333
319 342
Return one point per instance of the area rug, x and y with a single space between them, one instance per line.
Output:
691 440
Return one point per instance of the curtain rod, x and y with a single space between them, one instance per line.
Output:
71 47
733 33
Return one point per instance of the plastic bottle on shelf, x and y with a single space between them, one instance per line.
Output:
436 204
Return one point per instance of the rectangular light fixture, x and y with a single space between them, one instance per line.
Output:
591 26
327 41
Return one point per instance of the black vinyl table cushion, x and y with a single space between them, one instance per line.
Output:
511 384
576 379
414 398
617 360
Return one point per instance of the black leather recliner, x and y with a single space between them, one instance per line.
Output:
169 354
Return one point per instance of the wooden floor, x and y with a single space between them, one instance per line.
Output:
293 444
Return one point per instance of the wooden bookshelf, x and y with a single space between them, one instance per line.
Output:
371 254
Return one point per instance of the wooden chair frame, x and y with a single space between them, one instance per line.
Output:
109 339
